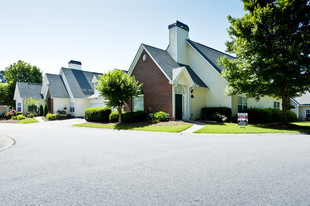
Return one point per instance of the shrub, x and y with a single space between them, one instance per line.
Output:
50 116
219 114
276 115
97 114
113 117
10 114
139 116
14 117
159 117
41 110
18 113
20 117
257 115
45 111
291 116
30 115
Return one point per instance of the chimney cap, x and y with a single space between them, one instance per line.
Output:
75 62
179 24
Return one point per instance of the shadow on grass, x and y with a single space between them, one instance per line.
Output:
131 126
289 127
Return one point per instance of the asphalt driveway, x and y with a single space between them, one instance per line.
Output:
56 164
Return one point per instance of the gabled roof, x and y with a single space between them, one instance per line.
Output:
167 64
303 100
209 54
80 82
56 86
27 90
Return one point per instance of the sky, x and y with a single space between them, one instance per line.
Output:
104 34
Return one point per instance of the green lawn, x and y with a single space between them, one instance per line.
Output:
233 128
27 121
173 128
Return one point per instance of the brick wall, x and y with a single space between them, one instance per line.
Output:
156 87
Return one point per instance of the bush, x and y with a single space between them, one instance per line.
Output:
41 110
50 116
139 116
32 115
159 117
291 116
20 117
257 115
97 114
219 114
10 114
18 113
14 117
276 115
45 111
113 117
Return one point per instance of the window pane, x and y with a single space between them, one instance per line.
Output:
138 103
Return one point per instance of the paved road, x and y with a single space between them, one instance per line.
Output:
56 164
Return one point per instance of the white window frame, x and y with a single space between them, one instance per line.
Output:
19 107
72 108
243 104
276 105
134 99
307 113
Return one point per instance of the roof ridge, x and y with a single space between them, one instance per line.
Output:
211 48
81 70
29 83
153 47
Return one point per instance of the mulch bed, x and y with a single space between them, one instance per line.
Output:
141 124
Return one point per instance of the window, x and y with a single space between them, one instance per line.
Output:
31 109
138 103
307 113
242 104
71 107
19 107
276 105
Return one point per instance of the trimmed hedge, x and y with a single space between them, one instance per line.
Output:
97 114
139 116
219 114
159 117
269 115
113 117
50 116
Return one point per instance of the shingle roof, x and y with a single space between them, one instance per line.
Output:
27 90
80 82
56 86
211 55
304 99
167 64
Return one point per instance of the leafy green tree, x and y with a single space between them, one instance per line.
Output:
118 88
41 110
272 44
45 111
21 72
32 104
4 94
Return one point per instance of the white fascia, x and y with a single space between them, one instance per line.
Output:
206 61
135 61
16 93
66 84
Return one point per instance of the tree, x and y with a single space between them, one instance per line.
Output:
4 94
272 44
41 110
2 80
32 104
118 87
20 72
45 111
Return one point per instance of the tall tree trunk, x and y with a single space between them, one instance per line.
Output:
285 105
119 109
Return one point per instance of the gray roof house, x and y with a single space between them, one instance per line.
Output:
184 77
301 106
69 92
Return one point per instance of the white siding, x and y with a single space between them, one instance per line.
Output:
80 106
215 97
60 104
264 102
302 112
198 102
99 102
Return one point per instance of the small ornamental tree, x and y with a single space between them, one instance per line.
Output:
117 87
272 45
41 110
32 104
45 111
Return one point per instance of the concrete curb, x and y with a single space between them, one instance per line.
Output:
6 142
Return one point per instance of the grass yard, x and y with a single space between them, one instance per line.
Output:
170 128
232 128
27 121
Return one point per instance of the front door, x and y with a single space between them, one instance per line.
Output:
178 106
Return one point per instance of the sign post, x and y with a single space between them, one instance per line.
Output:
243 119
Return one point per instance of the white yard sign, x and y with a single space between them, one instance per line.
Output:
243 119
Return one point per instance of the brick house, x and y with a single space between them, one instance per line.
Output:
184 78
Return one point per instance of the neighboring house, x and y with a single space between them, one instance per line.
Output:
24 91
301 106
70 92
3 109
185 78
